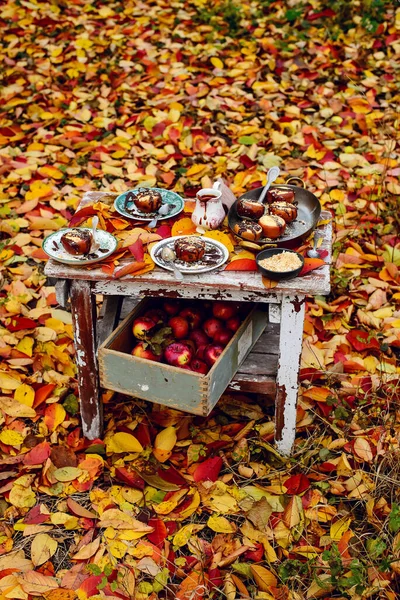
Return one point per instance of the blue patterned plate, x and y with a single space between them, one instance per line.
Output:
177 205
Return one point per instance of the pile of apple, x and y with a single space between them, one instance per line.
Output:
191 337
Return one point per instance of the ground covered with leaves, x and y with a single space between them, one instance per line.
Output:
106 96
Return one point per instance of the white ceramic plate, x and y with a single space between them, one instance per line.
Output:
215 256
177 205
53 247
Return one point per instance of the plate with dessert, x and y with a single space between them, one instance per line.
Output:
78 246
288 215
145 204
193 254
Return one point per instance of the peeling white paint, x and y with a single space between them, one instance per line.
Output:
91 432
143 387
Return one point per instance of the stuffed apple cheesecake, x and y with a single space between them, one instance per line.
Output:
250 209
147 201
248 230
77 241
189 249
272 226
287 211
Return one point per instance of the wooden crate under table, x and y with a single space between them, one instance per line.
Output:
171 386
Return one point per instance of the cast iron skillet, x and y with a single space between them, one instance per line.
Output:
309 210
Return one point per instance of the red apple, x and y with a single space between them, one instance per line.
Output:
199 337
189 343
194 316
143 350
179 326
198 366
171 307
178 354
212 353
211 326
223 337
142 327
233 324
159 316
200 351
224 310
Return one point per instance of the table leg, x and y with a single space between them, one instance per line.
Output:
83 309
290 343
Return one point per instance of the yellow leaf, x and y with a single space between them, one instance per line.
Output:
13 408
115 518
123 442
184 226
363 449
8 383
22 497
221 525
87 551
68 521
190 509
337 195
195 170
164 443
49 171
67 473
11 438
38 189
43 547
293 513
338 528
117 549
182 537
223 238
217 62
263 577
26 345
25 394
243 254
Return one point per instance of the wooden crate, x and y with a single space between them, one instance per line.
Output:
170 386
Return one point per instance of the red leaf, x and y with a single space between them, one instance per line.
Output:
209 469
137 250
215 578
38 455
242 264
164 231
19 323
160 532
82 215
129 478
328 12
172 476
35 516
89 586
79 510
43 393
362 340
255 555
310 264
129 268
297 484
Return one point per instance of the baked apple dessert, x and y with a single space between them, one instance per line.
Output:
147 201
189 249
277 195
250 209
248 230
287 211
77 241
272 226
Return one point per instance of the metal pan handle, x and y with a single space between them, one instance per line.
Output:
303 185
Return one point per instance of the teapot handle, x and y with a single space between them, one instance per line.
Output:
217 185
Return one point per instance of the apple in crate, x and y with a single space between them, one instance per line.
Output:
199 337
193 316
212 326
212 353
178 354
198 366
179 326
144 350
157 315
224 310
143 327
233 324
171 307
223 337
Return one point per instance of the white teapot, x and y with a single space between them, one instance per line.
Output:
209 211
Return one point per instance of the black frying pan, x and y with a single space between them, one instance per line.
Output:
309 210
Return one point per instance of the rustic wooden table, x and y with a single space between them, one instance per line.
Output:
286 312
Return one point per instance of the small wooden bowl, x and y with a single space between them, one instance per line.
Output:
278 275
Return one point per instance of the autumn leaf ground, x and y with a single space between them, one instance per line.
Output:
105 96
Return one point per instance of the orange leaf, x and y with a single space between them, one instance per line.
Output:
193 586
128 269
268 283
54 415
39 254
184 226
43 393
242 264
310 264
